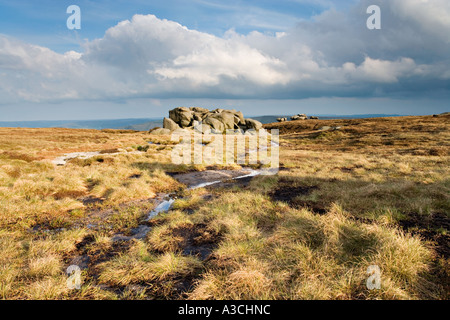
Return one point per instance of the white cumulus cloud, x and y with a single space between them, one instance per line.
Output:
332 54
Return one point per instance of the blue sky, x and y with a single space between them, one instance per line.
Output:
139 58
43 22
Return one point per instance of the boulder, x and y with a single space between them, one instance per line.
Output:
206 115
314 118
170 124
202 128
227 118
240 115
182 116
327 128
199 110
197 116
281 119
160 131
299 117
183 131
203 120
253 124
215 124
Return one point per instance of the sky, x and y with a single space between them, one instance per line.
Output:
138 59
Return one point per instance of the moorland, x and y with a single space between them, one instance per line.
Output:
349 194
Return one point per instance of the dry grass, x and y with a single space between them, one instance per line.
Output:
375 192
421 136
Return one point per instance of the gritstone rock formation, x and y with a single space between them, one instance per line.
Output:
204 120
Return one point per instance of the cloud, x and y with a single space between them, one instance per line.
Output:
333 54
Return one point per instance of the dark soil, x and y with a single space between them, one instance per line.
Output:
434 228
198 240
431 228
287 192
87 257
106 151
91 200
241 183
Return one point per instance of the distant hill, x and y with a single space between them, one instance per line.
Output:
372 125
82 124
271 119
145 124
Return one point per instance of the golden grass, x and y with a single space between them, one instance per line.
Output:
310 232
307 256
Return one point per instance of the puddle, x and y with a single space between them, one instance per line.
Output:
200 179
191 180
137 233
209 177
164 206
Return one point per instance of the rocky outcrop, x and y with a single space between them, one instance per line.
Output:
328 128
299 116
215 124
182 116
204 120
160 131
253 124
170 124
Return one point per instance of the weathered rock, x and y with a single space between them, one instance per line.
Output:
240 115
328 128
202 128
199 116
253 124
182 116
160 131
170 124
227 118
199 110
219 120
281 119
314 118
183 131
236 132
215 124
299 117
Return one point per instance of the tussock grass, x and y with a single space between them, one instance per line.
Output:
337 206
307 256
138 265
